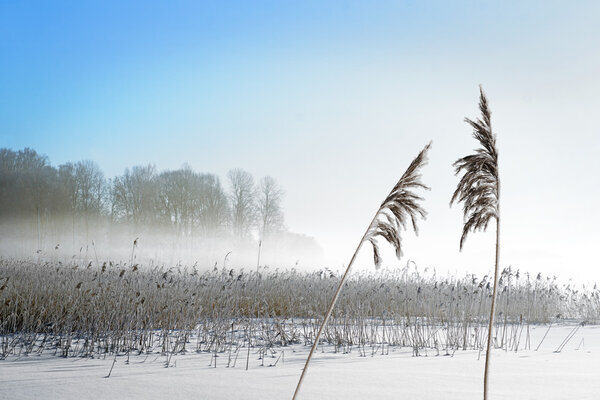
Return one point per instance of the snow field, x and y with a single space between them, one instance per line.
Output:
574 373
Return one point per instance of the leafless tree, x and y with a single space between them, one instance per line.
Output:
27 179
134 195
242 200
191 202
212 209
269 211
90 190
40 200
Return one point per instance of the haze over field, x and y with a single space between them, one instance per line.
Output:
334 100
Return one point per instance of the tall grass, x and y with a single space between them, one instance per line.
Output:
84 310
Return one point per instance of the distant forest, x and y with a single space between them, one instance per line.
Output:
74 203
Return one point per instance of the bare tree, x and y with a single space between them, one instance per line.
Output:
68 187
479 191
269 211
90 189
134 195
35 198
177 194
191 202
212 208
68 184
31 177
9 182
242 200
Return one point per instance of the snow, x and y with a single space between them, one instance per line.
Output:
574 373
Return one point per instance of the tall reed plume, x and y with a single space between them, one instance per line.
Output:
400 206
479 191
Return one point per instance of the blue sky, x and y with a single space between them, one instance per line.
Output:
333 99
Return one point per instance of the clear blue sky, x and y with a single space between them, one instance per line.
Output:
333 99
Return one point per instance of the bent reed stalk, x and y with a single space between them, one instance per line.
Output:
393 213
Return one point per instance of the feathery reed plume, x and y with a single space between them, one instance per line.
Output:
398 207
479 190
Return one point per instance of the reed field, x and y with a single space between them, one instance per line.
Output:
91 310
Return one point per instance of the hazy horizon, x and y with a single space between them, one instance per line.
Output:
334 100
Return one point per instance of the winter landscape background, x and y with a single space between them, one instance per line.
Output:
182 186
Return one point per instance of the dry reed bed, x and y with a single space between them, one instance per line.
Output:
75 309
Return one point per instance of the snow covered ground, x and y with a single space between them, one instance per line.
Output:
574 373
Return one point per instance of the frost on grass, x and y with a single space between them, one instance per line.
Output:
117 309
64 327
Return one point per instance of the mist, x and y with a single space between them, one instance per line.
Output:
172 217
149 246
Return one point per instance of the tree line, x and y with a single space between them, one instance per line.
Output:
48 201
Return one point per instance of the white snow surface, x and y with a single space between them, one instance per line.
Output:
574 373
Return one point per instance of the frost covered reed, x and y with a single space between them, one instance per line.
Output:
399 206
479 191
86 310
